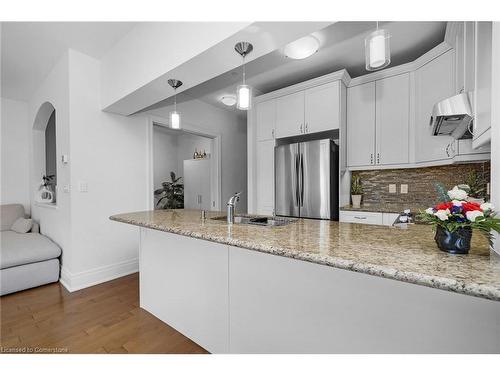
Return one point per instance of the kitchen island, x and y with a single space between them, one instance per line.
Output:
315 286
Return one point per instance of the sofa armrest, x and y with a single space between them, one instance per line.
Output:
35 228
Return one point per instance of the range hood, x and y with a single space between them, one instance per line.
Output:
452 116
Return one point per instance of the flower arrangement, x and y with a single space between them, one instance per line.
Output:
455 218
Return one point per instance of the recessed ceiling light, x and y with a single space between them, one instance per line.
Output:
228 100
302 48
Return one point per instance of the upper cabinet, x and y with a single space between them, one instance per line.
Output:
290 115
322 107
434 82
392 119
312 110
361 125
378 122
266 119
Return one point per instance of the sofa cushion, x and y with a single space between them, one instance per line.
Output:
9 213
23 248
22 225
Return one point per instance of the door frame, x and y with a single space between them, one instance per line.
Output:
215 158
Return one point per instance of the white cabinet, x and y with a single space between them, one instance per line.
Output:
361 125
361 217
313 110
482 102
378 122
290 115
265 177
392 119
266 119
322 108
197 192
434 82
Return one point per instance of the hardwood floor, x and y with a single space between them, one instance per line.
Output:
105 318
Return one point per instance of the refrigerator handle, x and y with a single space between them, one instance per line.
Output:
301 187
296 187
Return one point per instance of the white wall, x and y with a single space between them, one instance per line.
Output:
233 133
15 145
109 155
165 152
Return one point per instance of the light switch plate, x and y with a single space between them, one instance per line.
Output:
404 188
392 188
83 187
66 188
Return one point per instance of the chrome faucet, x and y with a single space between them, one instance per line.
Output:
230 207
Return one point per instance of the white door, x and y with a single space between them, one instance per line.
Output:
392 119
361 125
290 115
265 177
197 187
266 119
434 82
322 108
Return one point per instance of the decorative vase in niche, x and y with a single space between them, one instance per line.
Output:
457 242
45 195
356 200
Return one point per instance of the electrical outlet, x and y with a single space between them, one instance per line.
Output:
404 188
392 188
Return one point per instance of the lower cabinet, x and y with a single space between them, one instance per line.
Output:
234 300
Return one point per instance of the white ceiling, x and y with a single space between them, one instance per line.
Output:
342 46
30 49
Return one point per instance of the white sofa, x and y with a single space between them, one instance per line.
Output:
28 259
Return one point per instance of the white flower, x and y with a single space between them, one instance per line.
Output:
472 215
457 203
430 211
457 194
487 206
442 214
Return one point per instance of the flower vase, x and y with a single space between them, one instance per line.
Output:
457 242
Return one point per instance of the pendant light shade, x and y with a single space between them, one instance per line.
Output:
175 117
243 91
377 49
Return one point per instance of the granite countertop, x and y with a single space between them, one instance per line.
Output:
385 207
407 255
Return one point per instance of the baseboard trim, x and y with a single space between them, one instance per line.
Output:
81 280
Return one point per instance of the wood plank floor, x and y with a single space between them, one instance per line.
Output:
105 318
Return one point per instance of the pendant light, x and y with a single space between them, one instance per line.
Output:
377 49
175 117
243 91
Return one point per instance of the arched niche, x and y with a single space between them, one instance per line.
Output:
44 146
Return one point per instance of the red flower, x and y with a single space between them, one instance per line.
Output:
444 206
471 206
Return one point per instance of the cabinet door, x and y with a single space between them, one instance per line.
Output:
266 118
460 58
265 177
469 56
197 191
290 115
361 125
392 119
322 108
434 82
482 102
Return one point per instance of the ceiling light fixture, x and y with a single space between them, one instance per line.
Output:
302 48
377 49
228 100
243 91
175 117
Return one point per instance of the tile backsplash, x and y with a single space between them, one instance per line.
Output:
420 181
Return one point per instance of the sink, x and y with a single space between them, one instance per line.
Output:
258 220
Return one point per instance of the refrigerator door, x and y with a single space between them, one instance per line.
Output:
286 183
315 195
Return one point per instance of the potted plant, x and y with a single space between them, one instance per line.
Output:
455 218
171 194
475 186
356 191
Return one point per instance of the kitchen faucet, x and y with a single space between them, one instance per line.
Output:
230 207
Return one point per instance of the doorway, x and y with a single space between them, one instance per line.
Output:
184 167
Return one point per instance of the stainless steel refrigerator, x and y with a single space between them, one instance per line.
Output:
307 179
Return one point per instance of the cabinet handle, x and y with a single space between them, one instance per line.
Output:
378 158
360 217
272 133
371 158
300 128
306 128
